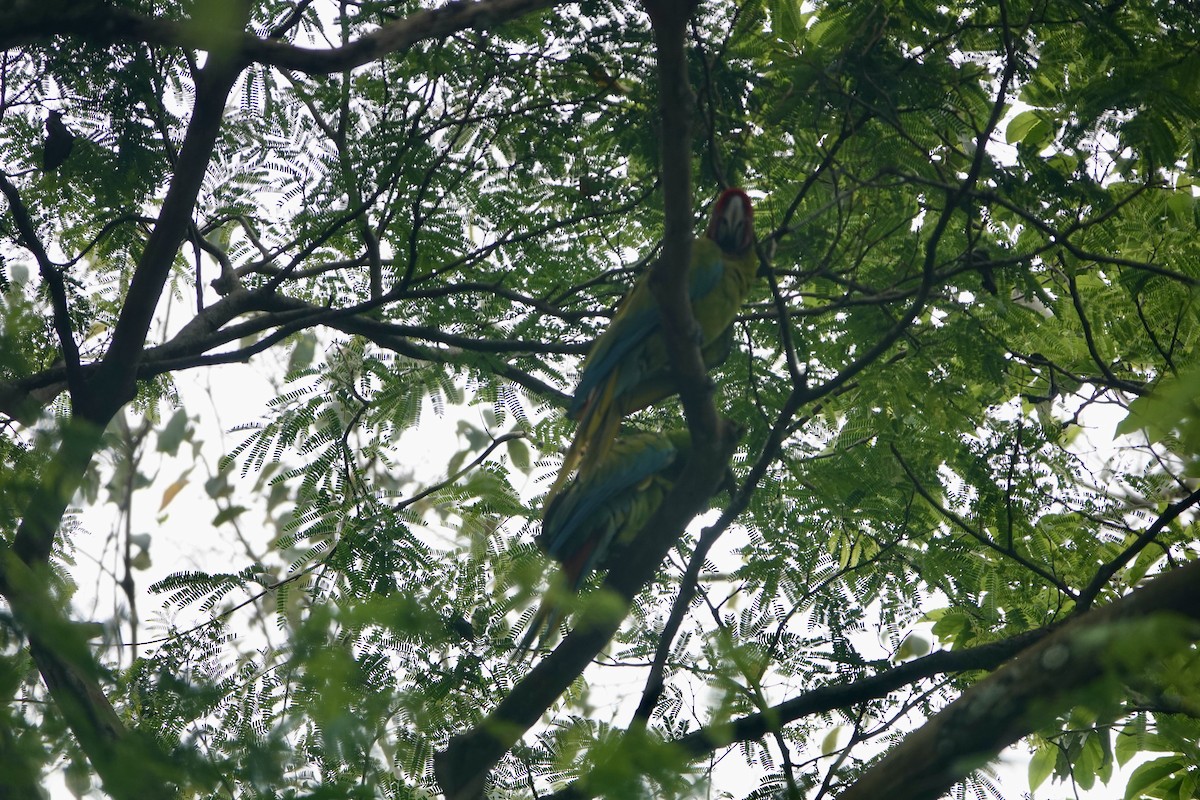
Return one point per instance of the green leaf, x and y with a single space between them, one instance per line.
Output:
1187 785
1148 775
787 20
829 742
1087 763
913 646
303 351
1020 126
1130 740
1041 765
1171 409
174 432
518 451
1032 129
228 515
456 461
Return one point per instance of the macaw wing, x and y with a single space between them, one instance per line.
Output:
708 267
637 318
599 500
658 384
613 502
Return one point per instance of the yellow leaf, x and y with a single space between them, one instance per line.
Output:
830 742
913 646
172 490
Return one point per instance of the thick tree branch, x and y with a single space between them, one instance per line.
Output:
462 768
191 347
68 668
119 367
1043 682
53 277
802 394
655 681
70 673
829 698
668 278
705 741
1051 669
102 22
112 384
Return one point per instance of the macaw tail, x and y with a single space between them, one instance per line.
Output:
541 627
550 612
590 522
599 422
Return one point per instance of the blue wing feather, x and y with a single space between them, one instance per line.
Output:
613 502
577 509
641 319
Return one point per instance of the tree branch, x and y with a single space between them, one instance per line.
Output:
655 681
704 741
462 768
1051 665
979 536
119 367
1106 571
668 278
67 666
101 23
70 671
1041 683
52 275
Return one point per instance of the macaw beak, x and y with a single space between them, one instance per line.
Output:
732 224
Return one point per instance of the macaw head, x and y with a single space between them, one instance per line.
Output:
732 223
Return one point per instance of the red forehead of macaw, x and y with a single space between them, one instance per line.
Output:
732 223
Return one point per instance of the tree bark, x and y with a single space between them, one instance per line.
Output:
462 768
66 663
1042 682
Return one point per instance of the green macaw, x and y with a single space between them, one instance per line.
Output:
598 514
628 368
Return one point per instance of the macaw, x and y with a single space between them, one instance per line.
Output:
598 514
628 368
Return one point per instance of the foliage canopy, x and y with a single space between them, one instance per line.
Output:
978 229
